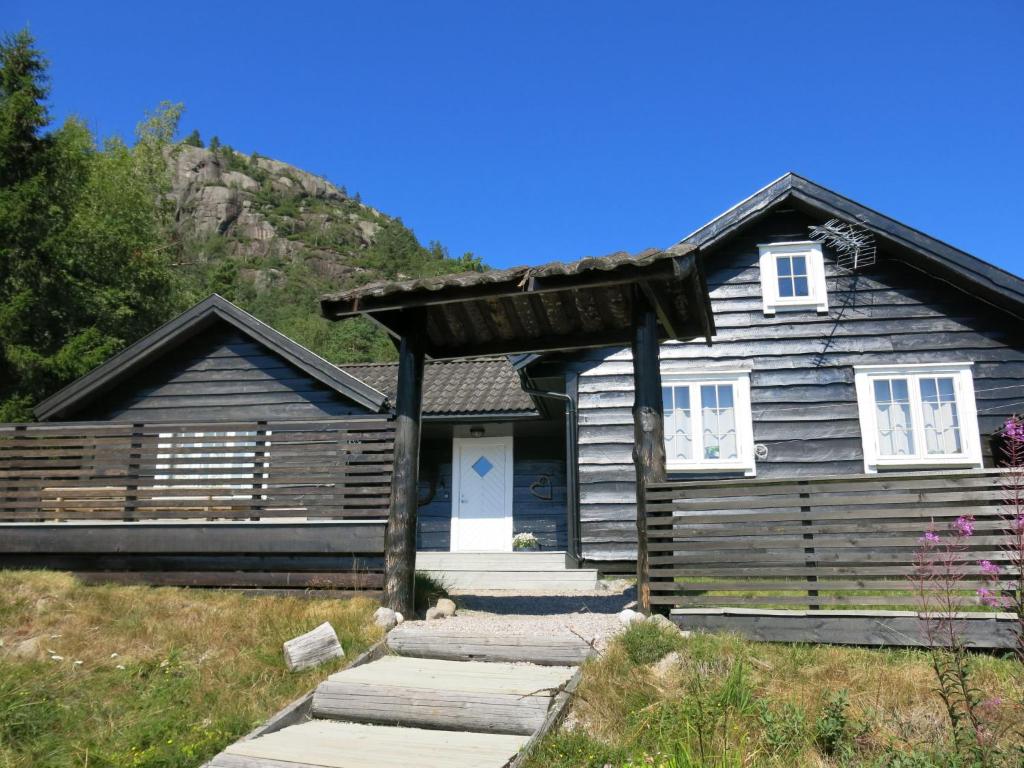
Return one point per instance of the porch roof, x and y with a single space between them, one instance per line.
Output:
474 388
587 303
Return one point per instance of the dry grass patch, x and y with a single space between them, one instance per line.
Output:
730 702
148 677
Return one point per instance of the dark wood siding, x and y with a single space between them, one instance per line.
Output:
802 392
538 493
220 375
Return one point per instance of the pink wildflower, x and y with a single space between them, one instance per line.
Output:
989 568
964 525
985 597
930 537
1014 429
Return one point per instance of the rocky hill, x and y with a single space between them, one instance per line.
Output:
272 237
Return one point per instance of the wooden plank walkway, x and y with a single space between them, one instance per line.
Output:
437 705
327 744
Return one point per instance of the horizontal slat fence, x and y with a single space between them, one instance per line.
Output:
285 504
838 542
331 469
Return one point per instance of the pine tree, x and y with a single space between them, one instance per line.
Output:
193 139
81 270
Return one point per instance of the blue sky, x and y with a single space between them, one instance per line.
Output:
532 131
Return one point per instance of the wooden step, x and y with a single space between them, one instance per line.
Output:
556 650
432 693
329 744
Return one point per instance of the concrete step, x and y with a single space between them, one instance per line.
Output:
545 582
493 561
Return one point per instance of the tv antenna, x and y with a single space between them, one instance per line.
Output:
853 243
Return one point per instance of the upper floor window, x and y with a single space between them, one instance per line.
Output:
708 422
918 415
792 277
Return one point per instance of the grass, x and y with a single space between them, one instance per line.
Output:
734 703
783 590
200 669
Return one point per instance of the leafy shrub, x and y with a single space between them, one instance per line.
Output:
646 642
783 727
831 729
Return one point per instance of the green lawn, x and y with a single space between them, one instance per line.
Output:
167 676
732 703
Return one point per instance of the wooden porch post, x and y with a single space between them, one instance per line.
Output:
648 430
400 544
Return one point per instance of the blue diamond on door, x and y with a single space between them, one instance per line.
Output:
482 466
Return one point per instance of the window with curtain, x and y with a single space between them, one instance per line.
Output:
708 422
918 415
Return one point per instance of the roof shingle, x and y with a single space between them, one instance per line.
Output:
474 386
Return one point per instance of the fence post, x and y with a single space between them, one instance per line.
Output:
131 491
809 550
13 482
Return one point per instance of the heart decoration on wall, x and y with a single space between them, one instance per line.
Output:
541 488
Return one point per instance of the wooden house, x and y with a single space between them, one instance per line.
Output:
908 357
910 360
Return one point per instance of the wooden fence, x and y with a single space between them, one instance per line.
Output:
239 504
789 548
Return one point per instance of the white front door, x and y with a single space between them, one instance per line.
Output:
482 497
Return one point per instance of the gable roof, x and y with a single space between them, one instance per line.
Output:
472 387
143 352
987 281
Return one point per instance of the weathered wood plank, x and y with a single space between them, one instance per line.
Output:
873 628
326 744
565 650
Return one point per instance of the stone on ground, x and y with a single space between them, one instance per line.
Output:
662 621
666 664
446 606
433 614
28 649
629 616
385 617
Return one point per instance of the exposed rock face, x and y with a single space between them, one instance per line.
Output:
267 211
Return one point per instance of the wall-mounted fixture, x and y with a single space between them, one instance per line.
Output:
477 431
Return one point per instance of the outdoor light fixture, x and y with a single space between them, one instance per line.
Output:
477 431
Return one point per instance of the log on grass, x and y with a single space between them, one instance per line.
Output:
313 648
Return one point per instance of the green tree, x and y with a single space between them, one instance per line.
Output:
193 139
82 270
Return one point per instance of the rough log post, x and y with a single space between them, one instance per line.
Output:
400 545
648 430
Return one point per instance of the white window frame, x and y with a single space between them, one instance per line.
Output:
740 382
817 298
967 413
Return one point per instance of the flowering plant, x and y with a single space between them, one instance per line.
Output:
1005 584
940 568
525 541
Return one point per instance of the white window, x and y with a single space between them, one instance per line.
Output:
918 416
792 277
707 422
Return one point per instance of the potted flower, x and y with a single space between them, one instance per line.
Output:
525 542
